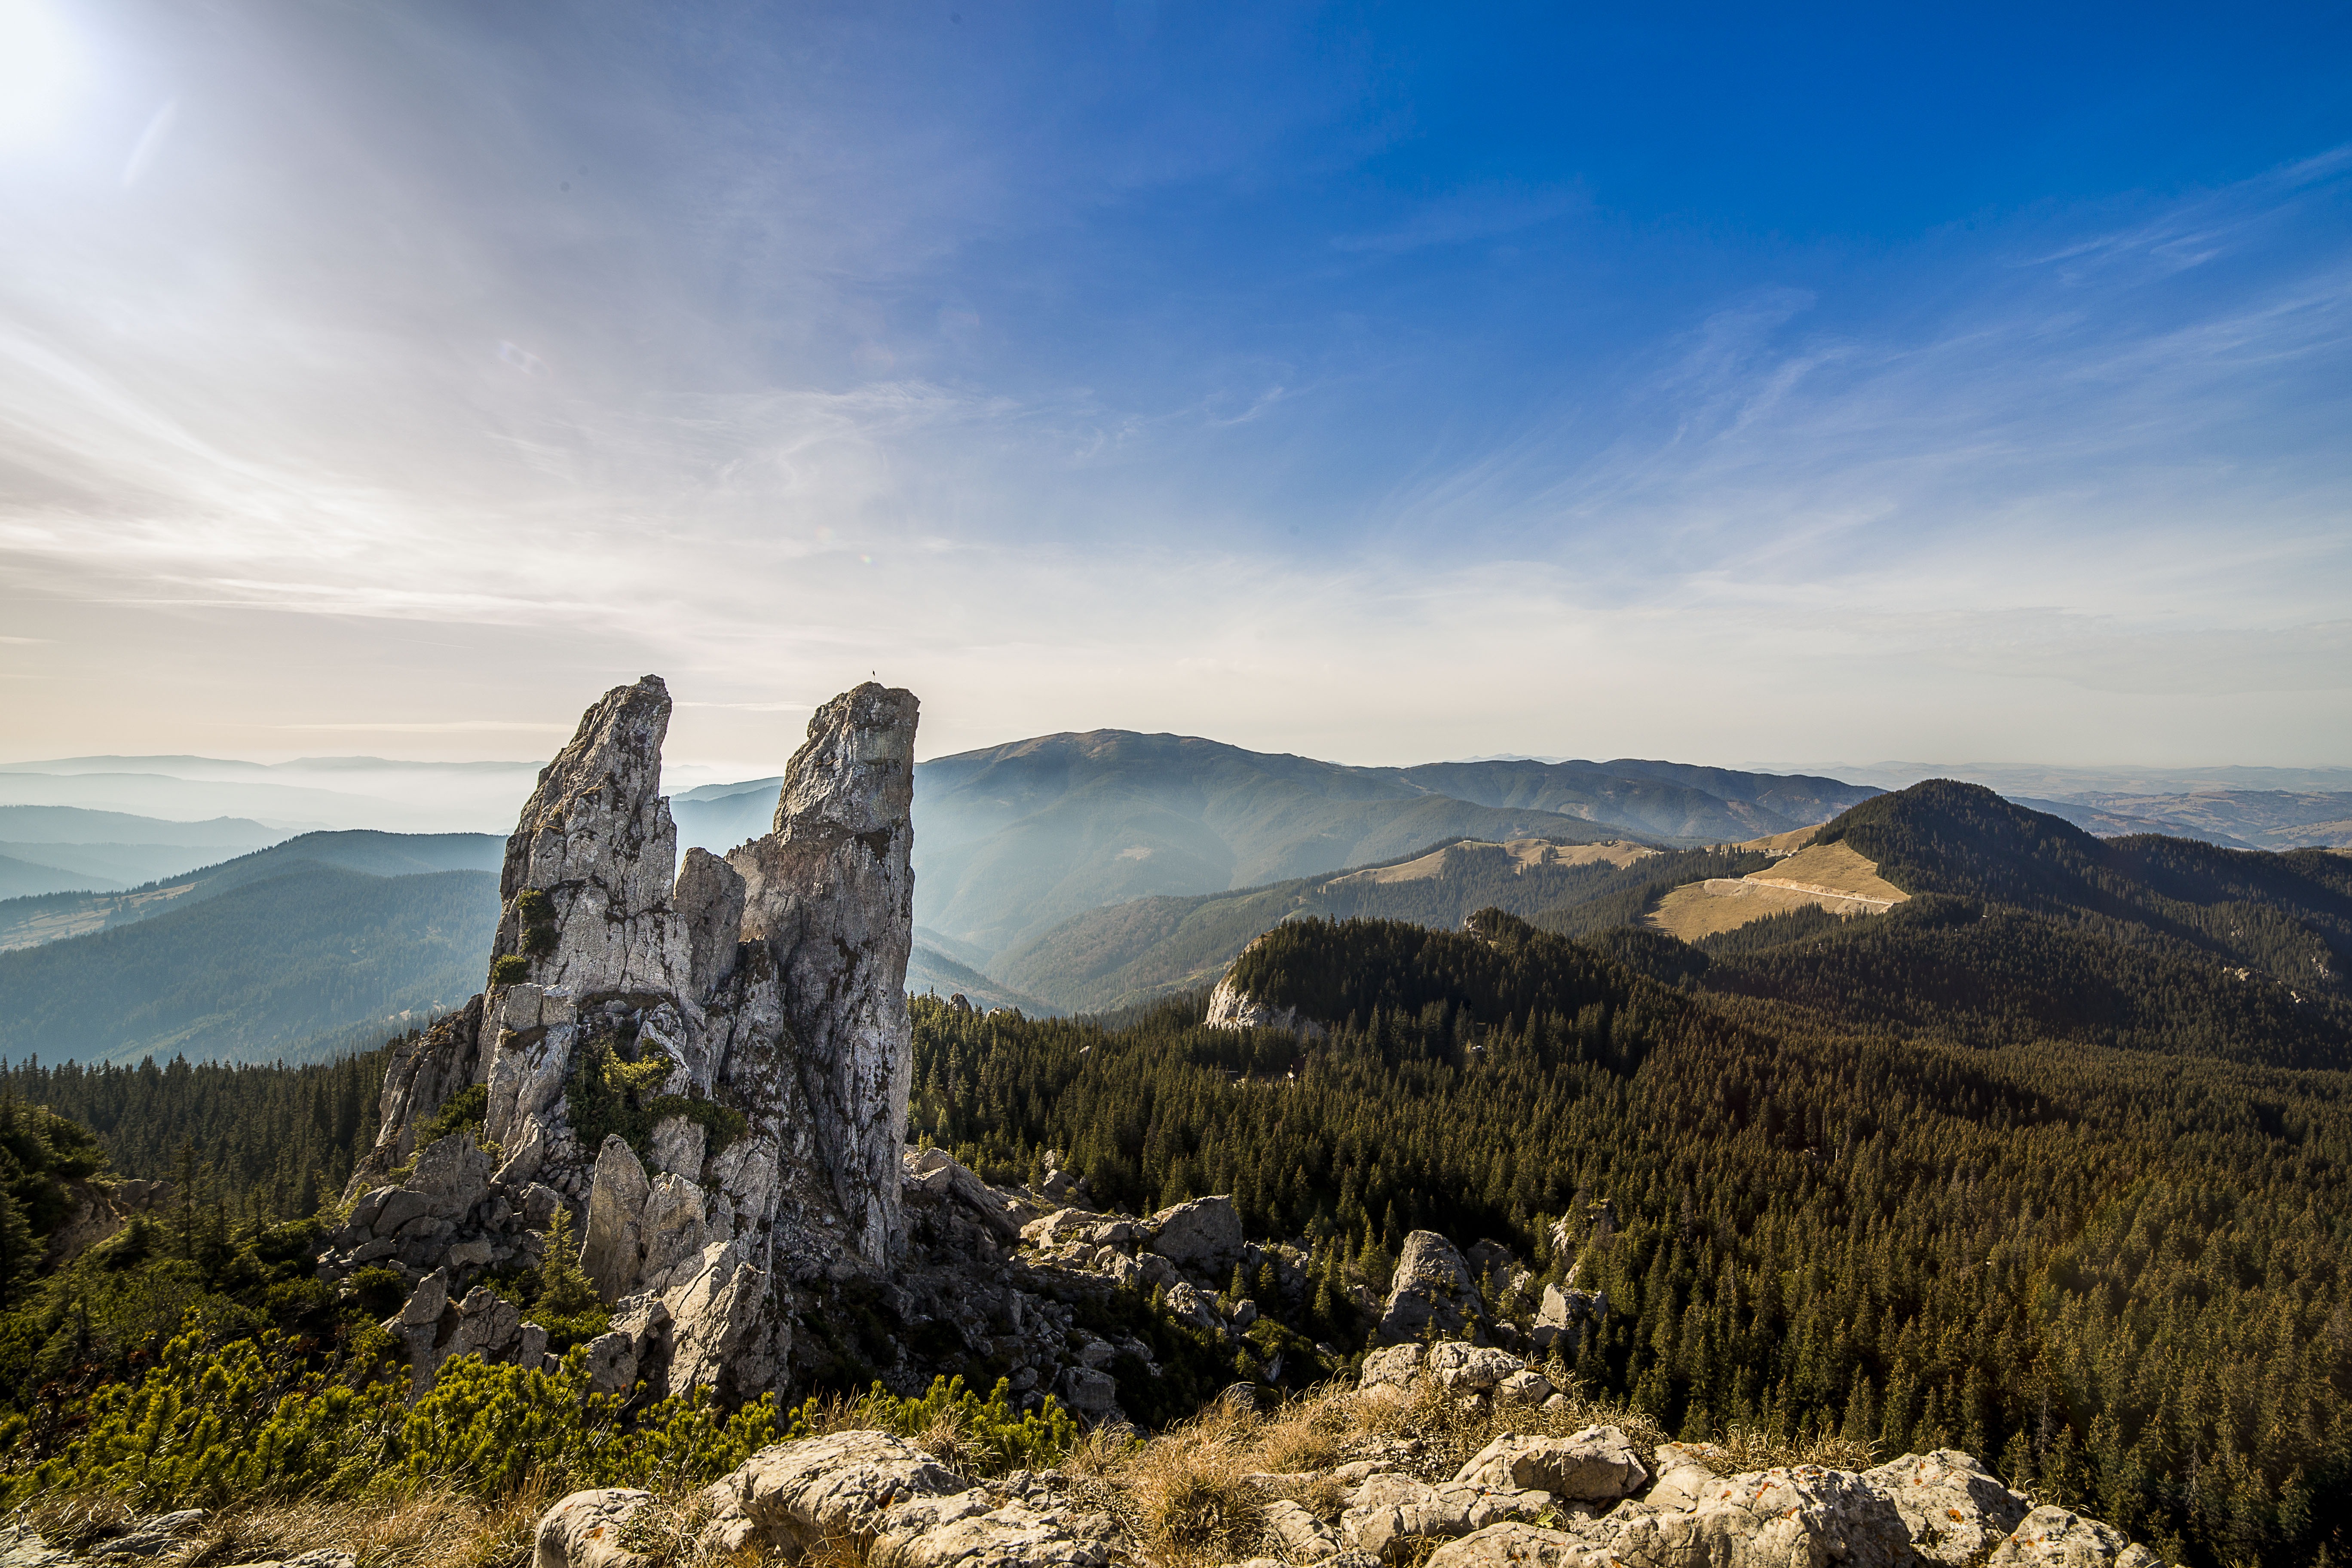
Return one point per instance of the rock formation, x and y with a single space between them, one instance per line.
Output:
1588 1498
830 894
710 1071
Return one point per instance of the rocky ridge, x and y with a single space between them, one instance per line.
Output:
1582 1499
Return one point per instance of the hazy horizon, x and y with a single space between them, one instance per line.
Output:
1372 386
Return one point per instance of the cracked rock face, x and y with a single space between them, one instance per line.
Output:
754 1010
596 838
831 895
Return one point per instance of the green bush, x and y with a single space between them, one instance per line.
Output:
468 1110
538 912
205 1427
378 1291
510 968
608 1093
997 1436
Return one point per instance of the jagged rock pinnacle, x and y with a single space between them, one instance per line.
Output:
596 839
831 894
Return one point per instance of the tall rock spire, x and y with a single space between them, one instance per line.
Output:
596 844
832 895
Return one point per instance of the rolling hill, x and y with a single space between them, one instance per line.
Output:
1013 840
30 921
1126 954
307 959
2015 927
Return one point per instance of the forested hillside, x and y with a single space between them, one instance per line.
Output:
29 921
1016 839
2119 1276
1127 955
311 962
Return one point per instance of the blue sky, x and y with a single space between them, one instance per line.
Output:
1378 382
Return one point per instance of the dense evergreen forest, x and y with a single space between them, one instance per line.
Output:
273 1140
2120 1277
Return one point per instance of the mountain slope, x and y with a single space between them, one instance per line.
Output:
1125 953
29 921
314 955
1013 840
2022 928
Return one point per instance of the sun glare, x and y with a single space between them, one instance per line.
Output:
36 69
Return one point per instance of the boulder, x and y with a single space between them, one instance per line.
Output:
1394 1367
798 1495
1684 1471
1597 1464
1562 1317
1523 1388
1470 1368
2063 1539
1514 1545
1390 1513
1955 1510
1304 1537
1432 1288
1802 1517
966 1532
1187 1305
584 1531
1202 1237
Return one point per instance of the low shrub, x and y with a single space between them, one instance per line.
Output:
956 1425
608 1093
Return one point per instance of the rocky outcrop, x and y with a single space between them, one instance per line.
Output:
741 1038
1432 1290
1231 1008
879 1495
424 1070
830 894
596 845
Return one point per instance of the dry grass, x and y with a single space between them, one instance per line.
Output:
1189 1500
417 1530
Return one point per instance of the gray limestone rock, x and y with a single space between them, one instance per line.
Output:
2059 1537
1597 1464
719 1336
1202 1237
596 838
1955 1510
1470 1368
419 1076
1795 1518
831 895
800 1495
1391 1513
710 899
1230 1008
612 1253
1562 1317
453 1174
1432 1288
584 1531
1394 1367
670 1230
